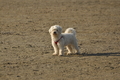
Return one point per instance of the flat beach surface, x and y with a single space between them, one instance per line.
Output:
25 44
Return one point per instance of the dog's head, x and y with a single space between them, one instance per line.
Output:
55 30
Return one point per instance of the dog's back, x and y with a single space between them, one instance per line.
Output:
70 30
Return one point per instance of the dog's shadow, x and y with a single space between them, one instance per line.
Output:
96 54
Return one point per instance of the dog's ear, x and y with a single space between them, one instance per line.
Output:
60 29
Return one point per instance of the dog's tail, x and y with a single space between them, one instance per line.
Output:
70 30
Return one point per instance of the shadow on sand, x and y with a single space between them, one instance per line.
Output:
96 54
103 54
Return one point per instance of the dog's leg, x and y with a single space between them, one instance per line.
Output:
69 48
61 50
56 50
77 49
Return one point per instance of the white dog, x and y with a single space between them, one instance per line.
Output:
59 40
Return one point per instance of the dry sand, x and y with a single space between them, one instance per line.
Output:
25 44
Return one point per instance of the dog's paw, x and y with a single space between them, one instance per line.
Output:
69 53
60 55
54 54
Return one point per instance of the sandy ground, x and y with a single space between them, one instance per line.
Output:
25 44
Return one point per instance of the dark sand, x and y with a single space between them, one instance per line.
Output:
25 44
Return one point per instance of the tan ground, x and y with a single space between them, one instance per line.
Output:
25 44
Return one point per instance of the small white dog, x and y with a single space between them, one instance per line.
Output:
59 40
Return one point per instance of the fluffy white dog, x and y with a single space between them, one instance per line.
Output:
59 40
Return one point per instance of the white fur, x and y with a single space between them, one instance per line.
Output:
68 39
